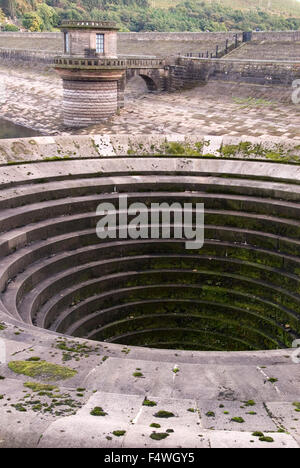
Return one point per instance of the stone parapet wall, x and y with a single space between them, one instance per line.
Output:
189 71
188 36
33 35
18 55
275 73
179 36
163 44
276 36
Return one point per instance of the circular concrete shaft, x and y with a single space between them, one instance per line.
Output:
119 298
239 292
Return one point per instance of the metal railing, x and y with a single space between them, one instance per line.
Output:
219 51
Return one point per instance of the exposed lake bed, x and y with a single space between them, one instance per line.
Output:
34 99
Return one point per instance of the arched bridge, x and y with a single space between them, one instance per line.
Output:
94 86
153 70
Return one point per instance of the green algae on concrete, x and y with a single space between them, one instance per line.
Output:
164 414
138 374
159 435
238 419
38 387
147 402
42 369
98 411
119 433
266 439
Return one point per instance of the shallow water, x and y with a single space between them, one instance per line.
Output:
10 130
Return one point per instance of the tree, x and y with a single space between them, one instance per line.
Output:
48 16
32 22
2 16
10 28
9 8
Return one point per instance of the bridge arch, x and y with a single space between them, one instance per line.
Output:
151 77
151 84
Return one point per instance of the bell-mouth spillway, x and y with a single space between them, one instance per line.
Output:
239 292
129 329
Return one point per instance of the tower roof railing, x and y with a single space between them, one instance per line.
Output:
76 62
89 24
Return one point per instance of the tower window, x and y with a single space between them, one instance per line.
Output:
67 43
100 43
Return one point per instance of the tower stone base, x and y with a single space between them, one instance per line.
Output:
121 92
88 102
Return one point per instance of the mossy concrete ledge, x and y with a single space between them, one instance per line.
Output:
51 148
229 379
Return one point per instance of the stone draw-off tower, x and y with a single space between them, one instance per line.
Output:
91 71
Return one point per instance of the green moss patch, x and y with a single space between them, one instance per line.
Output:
249 403
164 414
72 349
19 407
38 387
119 433
266 439
297 406
272 380
159 435
238 419
98 411
42 369
175 148
147 402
